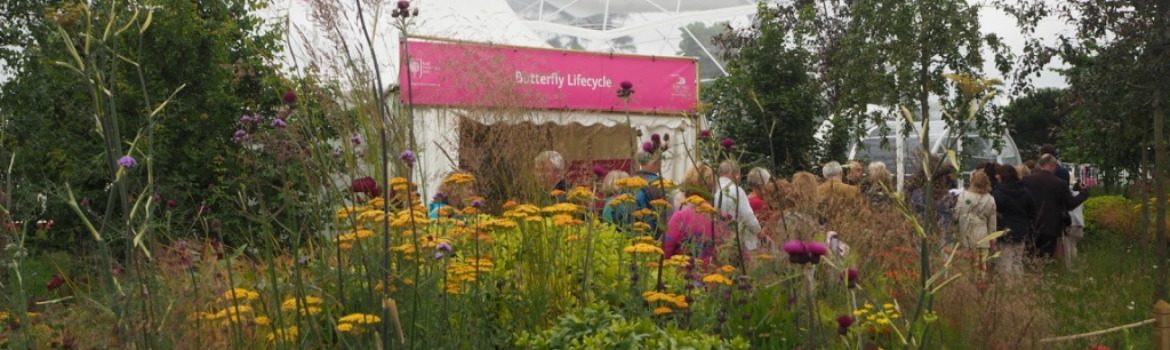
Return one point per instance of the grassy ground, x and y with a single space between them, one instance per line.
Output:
1112 285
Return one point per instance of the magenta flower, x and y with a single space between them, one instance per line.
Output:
727 143
815 251
127 162
408 157
656 140
600 171
171 204
478 203
443 247
246 119
239 136
626 85
55 282
279 123
648 147
797 251
290 97
403 4
365 185
705 134
851 277
356 139
843 324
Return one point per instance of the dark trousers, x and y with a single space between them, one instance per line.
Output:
1044 246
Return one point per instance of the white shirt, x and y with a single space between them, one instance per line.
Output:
733 201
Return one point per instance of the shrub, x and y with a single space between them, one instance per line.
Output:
600 328
1112 214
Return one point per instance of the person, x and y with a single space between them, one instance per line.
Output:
976 212
1023 170
876 186
804 191
991 169
856 173
940 195
758 180
1075 230
688 231
649 165
1061 171
732 201
1015 212
1053 201
550 172
452 197
833 194
616 214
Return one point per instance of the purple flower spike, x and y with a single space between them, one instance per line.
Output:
279 123
408 157
240 136
705 134
626 85
600 171
648 147
127 162
727 143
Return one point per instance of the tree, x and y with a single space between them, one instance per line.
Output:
1036 120
769 102
1116 48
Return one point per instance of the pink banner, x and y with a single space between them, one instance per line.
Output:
483 75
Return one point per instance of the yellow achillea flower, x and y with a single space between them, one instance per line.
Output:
376 203
399 184
633 182
510 204
262 320
706 209
285 335
662 310
359 318
533 219
678 301
641 227
679 260
343 213
645 239
307 306
640 213
727 268
556 193
405 248
469 211
499 224
522 211
664 184
695 200
659 203
240 294
371 216
346 328
643 248
459 179
716 279
580 193
565 220
561 208
620 199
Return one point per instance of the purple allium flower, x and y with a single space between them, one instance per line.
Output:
600 171
648 147
478 203
240 136
851 277
365 185
127 162
408 157
356 139
245 119
626 85
727 143
843 324
279 123
290 97
705 134
443 247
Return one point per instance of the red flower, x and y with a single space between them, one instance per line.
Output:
55 283
366 185
290 97
727 143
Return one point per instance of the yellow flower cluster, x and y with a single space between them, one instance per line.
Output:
643 248
404 218
641 213
459 179
238 301
556 193
706 208
695 200
878 316
664 184
466 270
679 260
659 203
645 239
561 208
344 213
522 211
400 185
240 295
496 224
620 199
356 323
716 278
284 335
566 220
580 193
357 234
665 302
633 182
308 306
641 227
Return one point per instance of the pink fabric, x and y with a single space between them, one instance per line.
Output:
758 205
473 74
689 224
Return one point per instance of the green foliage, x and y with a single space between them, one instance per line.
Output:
221 52
1035 120
598 327
1111 214
769 102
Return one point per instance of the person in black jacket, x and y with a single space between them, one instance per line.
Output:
1053 201
1016 211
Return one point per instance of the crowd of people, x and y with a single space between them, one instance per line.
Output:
1033 207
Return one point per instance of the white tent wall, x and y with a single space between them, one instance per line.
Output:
437 132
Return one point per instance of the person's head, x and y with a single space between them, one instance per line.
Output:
609 185
648 161
991 169
699 181
757 178
1007 174
779 194
1030 164
729 169
855 171
454 190
1049 149
980 183
1023 170
804 186
549 167
1047 162
878 174
832 171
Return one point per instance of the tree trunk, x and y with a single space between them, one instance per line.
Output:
1160 194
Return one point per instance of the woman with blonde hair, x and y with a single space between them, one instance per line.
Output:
615 213
976 211
876 186
804 190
